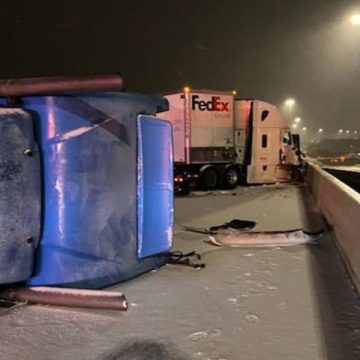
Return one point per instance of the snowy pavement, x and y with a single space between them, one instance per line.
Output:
254 304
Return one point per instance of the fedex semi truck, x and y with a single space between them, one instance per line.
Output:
220 141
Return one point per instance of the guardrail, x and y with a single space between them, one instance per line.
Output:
340 205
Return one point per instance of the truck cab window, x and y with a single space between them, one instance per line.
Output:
264 115
264 141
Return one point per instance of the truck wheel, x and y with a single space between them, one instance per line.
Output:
209 178
230 177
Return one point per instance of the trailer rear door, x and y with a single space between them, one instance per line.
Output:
176 115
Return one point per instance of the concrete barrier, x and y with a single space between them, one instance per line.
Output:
340 205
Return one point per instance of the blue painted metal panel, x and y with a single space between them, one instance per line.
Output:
89 159
20 195
155 186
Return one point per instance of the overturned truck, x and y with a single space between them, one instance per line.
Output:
86 190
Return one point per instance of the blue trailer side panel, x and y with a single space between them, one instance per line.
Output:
155 186
89 160
20 195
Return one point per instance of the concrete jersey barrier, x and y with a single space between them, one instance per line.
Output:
340 205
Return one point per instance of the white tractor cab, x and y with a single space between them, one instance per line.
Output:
272 151
221 141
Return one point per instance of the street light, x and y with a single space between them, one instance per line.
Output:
347 131
340 131
321 130
289 103
294 126
304 128
355 19
297 120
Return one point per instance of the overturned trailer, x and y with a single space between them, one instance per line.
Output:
86 190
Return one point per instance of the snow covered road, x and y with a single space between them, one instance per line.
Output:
254 304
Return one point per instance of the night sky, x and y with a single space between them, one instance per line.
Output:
266 49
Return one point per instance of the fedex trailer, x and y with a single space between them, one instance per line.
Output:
220 141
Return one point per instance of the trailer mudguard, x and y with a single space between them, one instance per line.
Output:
20 195
90 161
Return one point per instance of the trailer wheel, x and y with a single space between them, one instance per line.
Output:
230 178
209 178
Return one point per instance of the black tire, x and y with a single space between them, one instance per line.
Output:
296 174
209 178
230 178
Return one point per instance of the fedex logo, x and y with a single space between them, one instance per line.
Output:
215 104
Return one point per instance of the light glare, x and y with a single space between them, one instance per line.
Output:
355 19
289 102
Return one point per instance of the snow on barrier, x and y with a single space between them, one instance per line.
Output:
340 205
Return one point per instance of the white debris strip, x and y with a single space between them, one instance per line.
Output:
279 303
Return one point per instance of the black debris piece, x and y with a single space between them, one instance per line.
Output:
234 224
179 258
